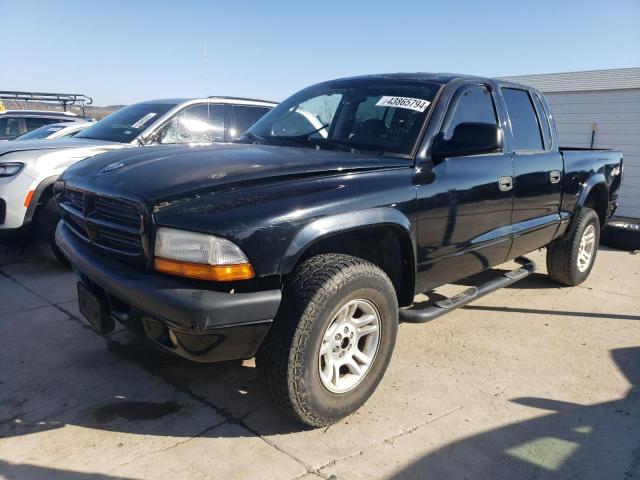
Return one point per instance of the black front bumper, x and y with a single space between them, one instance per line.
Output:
209 325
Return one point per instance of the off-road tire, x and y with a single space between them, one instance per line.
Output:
288 361
562 253
46 221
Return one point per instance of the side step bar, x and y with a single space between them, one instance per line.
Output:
435 310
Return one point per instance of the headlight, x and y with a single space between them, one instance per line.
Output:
201 256
10 169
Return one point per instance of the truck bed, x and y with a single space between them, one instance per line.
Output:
584 166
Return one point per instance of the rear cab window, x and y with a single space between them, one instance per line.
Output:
525 126
543 119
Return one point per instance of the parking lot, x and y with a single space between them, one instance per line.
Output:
533 381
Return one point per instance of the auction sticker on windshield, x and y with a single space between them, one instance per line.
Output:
404 102
144 120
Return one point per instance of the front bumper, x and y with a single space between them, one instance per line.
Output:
208 325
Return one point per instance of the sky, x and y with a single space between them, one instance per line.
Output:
120 52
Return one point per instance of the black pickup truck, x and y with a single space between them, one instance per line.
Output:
305 243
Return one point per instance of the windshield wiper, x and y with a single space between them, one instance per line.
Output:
319 141
253 138
332 143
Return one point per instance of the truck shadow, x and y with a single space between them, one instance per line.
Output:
227 392
599 441
537 311
11 470
572 441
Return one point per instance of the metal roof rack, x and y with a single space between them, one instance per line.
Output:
241 98
64 99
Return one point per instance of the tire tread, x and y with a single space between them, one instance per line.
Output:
279 360
560 258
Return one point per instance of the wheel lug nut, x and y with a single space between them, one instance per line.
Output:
351 335
335 349
342 354
346 330
338 337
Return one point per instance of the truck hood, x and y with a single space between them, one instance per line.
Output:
62 144
172 172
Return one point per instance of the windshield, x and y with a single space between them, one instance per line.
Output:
42 132
364 114
126 124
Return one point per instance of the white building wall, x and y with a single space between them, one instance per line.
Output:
616 114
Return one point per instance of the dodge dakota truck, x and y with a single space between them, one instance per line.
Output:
305 243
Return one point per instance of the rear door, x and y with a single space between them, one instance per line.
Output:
538 169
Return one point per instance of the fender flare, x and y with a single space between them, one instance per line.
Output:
37 194
340 223
586 189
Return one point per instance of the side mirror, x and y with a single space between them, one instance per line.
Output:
468 139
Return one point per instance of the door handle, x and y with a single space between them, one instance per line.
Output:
505 183
554 176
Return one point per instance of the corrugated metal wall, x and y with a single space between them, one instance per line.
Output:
589 80
616 114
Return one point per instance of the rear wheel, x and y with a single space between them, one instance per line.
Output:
46 222
332 339
571 258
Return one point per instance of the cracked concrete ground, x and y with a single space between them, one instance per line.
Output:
533 381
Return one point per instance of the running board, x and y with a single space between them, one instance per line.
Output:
436 309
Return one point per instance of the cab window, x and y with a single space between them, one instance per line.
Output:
543 119
471 104
524 123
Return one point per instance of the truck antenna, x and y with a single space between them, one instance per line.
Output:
204 66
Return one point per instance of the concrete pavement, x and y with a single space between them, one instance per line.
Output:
533 381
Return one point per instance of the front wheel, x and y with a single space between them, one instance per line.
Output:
332 340
46 222
571 258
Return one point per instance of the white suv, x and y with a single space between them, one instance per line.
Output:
28 169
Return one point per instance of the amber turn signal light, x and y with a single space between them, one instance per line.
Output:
199 271
27 200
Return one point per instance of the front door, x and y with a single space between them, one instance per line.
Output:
538 171
464 203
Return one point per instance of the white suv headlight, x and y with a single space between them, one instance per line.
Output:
10 169
198 255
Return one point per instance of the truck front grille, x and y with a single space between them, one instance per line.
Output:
111 224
